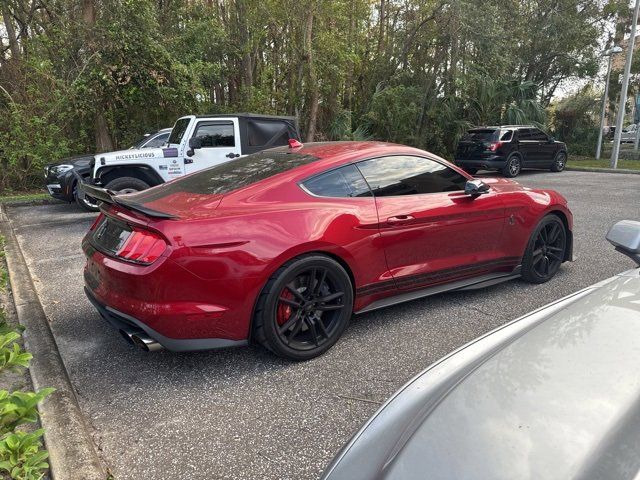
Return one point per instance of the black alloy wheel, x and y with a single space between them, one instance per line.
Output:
86 202
559 163
545 251
304 308
512 167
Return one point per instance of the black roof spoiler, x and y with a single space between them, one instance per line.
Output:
107 196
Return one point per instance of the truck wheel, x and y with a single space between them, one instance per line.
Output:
124 185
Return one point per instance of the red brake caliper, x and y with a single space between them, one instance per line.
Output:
284 311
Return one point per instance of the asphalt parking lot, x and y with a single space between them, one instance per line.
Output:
246 414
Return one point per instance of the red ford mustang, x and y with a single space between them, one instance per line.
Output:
281 247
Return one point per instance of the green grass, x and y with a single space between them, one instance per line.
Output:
577 161
14 197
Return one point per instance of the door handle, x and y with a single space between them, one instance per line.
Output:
399 219
188 161
233 155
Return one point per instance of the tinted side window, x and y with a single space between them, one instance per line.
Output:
178 130
215 134
157 141
407 175
525 134
261 132
343 182
538 135
507 135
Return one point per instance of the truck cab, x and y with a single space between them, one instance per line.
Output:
195 143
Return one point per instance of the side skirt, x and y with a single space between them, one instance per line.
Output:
474 283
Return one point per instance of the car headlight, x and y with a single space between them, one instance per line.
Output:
60 169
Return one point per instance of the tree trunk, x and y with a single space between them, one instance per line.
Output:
247 60
103 140
11 32
313 81
382 21
89 13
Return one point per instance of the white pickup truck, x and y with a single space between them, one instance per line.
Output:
195 142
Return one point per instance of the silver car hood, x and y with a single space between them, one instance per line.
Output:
553 394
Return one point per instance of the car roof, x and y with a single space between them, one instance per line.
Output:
246 115
334 154
553 394
495 127
350 149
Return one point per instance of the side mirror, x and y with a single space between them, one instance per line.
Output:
551 139
625 236
475 187
194 143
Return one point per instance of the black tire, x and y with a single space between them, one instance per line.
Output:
471 171
124 185
512 167
292 320
559 162
85 202
545 251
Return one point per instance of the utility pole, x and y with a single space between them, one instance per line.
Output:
605 98
625 87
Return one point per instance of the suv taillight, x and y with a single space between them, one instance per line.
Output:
142 246
494 146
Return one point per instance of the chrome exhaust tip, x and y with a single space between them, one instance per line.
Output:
141 340
146 343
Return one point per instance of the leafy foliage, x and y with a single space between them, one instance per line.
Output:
12 357
22 454
17 408
80 76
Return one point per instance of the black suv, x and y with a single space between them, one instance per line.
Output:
61 178
509 149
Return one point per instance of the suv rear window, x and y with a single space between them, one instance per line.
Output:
484 135
228 176
267 132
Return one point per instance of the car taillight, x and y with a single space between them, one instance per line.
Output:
495 146
142 246
96 222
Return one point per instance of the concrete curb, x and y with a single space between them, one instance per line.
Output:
72 453
603 170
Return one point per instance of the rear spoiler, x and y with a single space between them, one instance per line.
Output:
107 196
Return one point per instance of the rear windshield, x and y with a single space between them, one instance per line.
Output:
140 142
229 176
481 135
